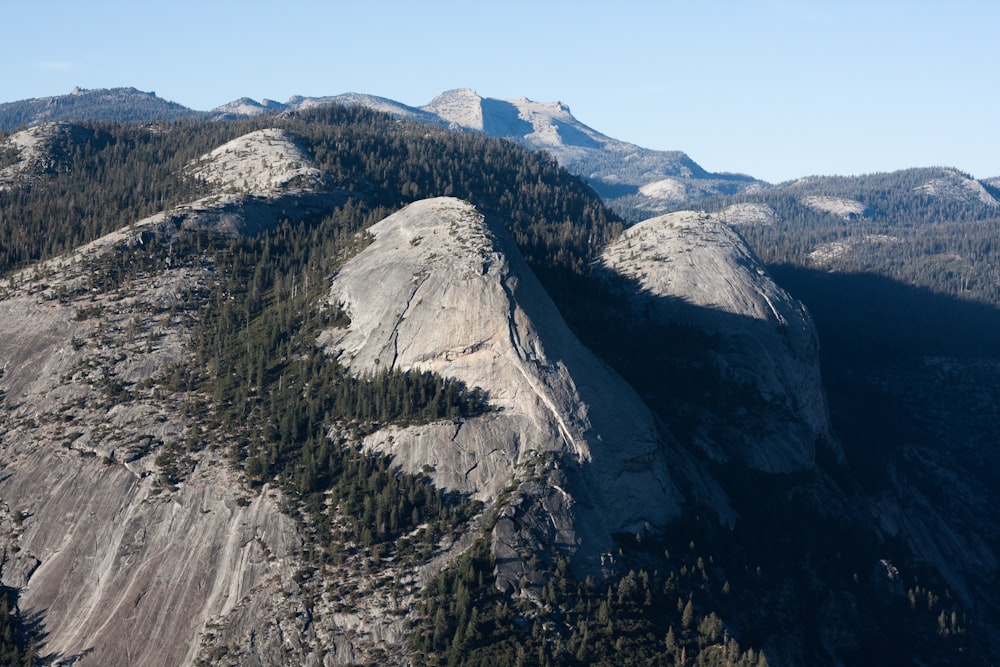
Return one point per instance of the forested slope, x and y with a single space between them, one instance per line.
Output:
795 573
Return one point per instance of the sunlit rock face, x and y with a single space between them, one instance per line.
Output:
441 289
118 566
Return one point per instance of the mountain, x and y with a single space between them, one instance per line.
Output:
691 270
115 455
92 519
333 387
552 398
635 181
120 104
898 271
927 227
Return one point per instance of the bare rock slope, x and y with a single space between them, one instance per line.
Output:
127 539
691 269
105 546
442 289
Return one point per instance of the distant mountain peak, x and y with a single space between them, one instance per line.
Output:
615 169
462 107
124 104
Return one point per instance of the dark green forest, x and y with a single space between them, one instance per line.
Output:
18 647
945 243
124 105
286 413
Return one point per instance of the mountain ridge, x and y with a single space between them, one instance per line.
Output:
438 258
186 340
636 182
616 169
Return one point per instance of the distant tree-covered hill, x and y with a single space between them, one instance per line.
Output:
798 572
117 104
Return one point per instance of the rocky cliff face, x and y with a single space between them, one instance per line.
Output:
120 519
126 533
691 270
123 545
442 289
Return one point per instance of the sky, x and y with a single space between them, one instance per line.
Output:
777 89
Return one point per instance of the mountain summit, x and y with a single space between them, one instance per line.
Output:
311 384
637 182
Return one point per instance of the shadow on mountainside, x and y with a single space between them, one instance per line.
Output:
872 320
692 365
901 366
502 119
912 381
904 367
918 436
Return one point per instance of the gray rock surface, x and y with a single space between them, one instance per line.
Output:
126 533
440 288
691 269
120 566
953 185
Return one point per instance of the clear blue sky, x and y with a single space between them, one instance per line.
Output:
774 88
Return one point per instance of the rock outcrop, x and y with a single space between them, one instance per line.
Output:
691 270
40 149
259 163
848 209
127 535
442 289
123 545
953 185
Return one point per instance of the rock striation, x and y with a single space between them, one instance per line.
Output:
691 270
120 564
117 524
440 288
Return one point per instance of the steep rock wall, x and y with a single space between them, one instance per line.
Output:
690 269
441 289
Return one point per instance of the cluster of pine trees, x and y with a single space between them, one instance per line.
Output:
287 413
944 243
643 617
16 650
